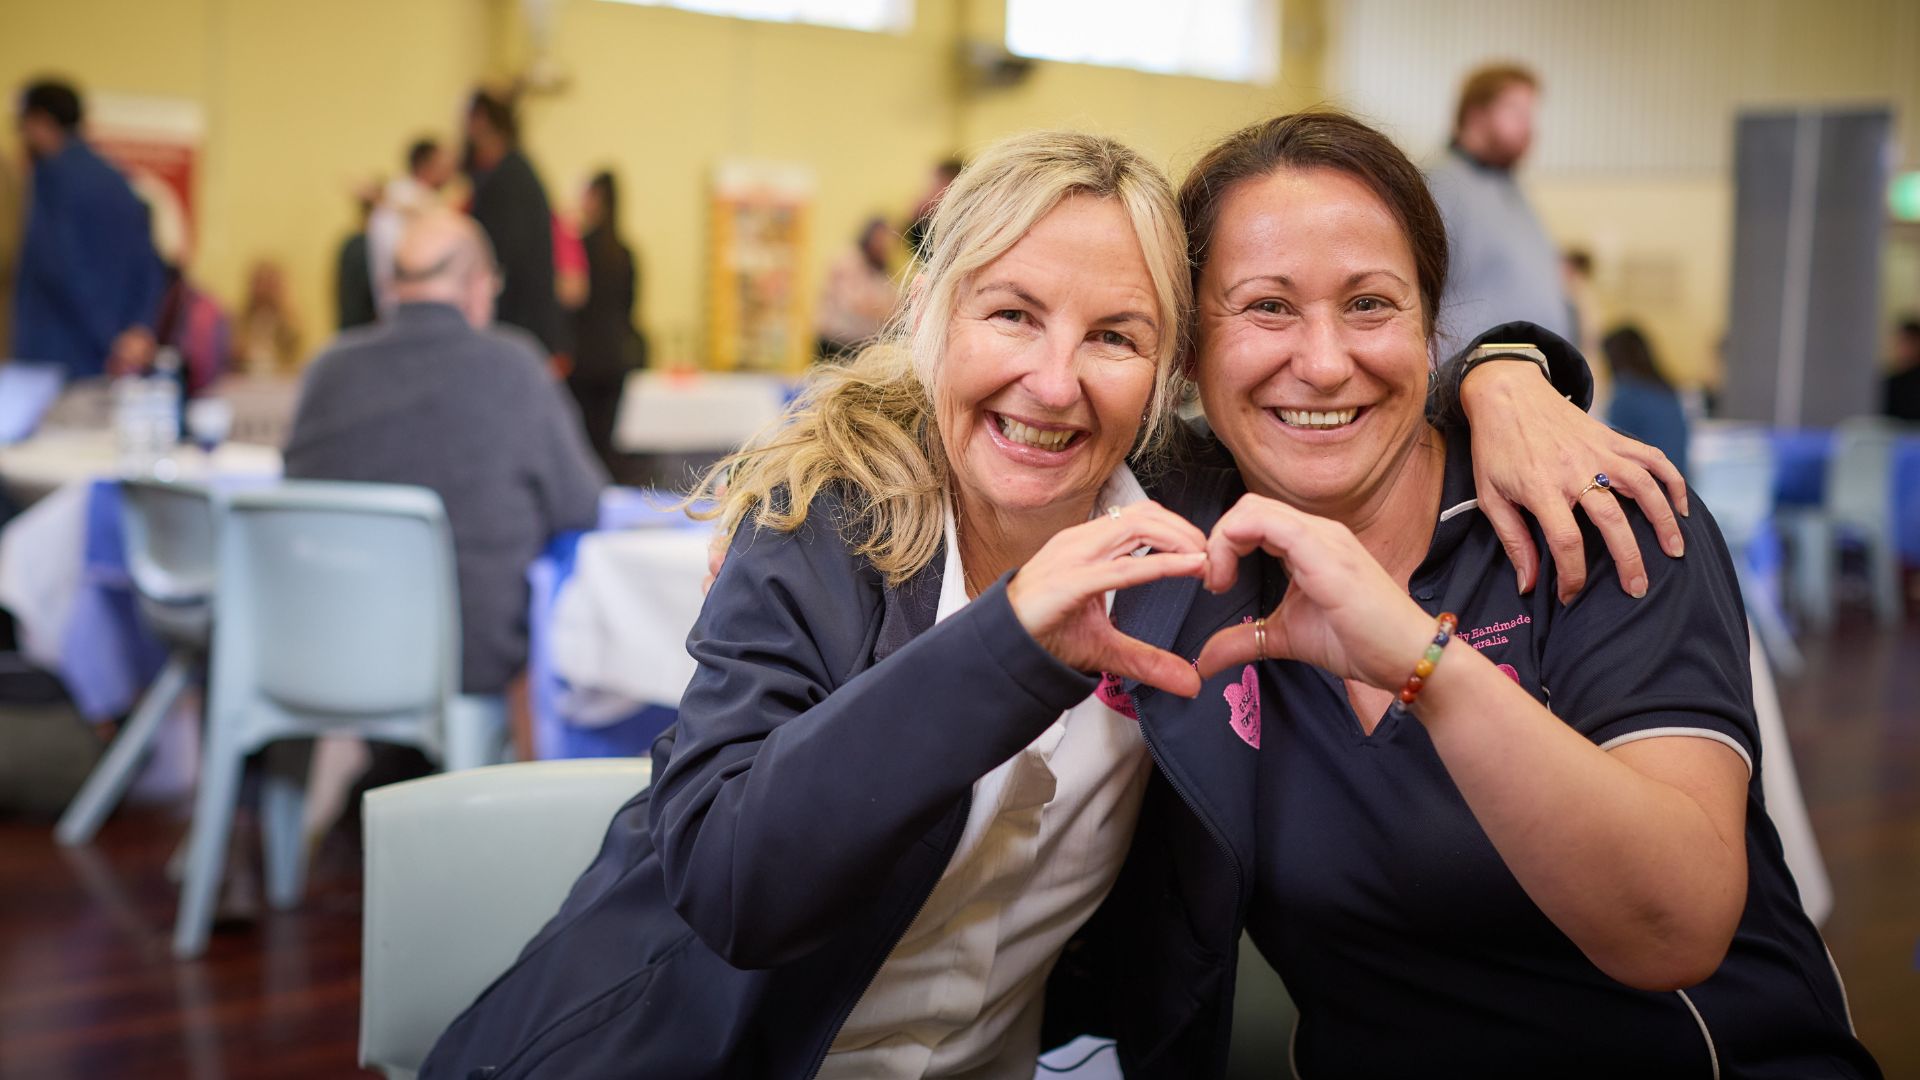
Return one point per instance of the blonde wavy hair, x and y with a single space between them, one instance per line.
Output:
867 427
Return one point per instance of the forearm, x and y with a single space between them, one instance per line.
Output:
767 852
1632 869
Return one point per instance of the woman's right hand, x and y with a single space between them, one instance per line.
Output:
1060 594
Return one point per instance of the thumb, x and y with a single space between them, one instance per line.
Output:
1237 645
1135 659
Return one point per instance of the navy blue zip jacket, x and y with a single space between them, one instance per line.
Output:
809 799
814 789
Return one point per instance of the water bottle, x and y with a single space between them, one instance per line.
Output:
146 418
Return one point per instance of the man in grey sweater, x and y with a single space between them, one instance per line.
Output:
436 395
1501 264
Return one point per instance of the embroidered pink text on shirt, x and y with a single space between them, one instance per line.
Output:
1243 707
1114 698
1481 637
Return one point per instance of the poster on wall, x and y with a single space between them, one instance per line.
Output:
157 143
757 306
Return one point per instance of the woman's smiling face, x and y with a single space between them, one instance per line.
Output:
1049 363
1311 344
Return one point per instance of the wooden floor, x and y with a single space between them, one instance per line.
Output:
88 989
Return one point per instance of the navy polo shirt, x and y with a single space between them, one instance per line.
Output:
1407 944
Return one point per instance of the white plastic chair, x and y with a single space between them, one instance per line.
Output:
336 611
1732 467
461 871
1859 502
169 530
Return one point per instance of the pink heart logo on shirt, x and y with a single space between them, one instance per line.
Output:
1113 697
1243 704
1507 670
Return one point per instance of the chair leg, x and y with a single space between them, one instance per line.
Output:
1769 625
1883 573
283 820
475 732
213 807
110 778
1813 571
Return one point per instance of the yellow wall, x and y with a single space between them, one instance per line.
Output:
305 99
1663 255
301 100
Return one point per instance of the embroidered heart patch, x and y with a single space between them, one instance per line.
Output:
1243 707
1114 698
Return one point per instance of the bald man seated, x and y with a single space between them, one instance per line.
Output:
437 395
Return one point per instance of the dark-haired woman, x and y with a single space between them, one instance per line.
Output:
1494 834
1644 404
606 345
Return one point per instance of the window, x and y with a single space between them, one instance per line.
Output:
879 15
1236 40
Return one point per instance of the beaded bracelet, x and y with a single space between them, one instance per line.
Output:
1443 632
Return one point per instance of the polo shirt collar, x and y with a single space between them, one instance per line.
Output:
1459 506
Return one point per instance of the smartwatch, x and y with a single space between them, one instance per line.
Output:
1506 351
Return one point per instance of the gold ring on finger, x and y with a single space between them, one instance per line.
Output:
1600 480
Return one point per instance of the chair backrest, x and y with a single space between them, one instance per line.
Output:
169 535
462 869
1732 467
337 601
1860 473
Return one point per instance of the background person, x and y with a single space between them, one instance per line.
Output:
859 294
606 345
510 203
88 283
438 397
429 169
1501 264
1901 392
1644 404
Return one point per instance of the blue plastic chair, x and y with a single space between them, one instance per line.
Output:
1858 504
169 530
336 611
461 871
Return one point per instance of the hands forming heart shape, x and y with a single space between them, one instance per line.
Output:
1342 611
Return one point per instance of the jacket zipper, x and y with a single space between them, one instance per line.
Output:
1160 764
826 1046
1219 841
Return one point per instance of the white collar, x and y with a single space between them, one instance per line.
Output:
1122 489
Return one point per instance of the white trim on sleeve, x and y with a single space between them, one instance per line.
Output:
1685 733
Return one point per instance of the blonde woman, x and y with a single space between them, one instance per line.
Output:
899 786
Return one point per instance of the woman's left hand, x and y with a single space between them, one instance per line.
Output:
1535 450
1341 612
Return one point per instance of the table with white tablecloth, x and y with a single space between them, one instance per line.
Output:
63 572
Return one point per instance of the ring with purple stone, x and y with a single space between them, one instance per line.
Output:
1599 481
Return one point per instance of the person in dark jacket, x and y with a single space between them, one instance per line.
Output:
899 784
510 202
89 281
1499 835
353 301
606 345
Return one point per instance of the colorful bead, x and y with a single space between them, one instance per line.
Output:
1423 668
